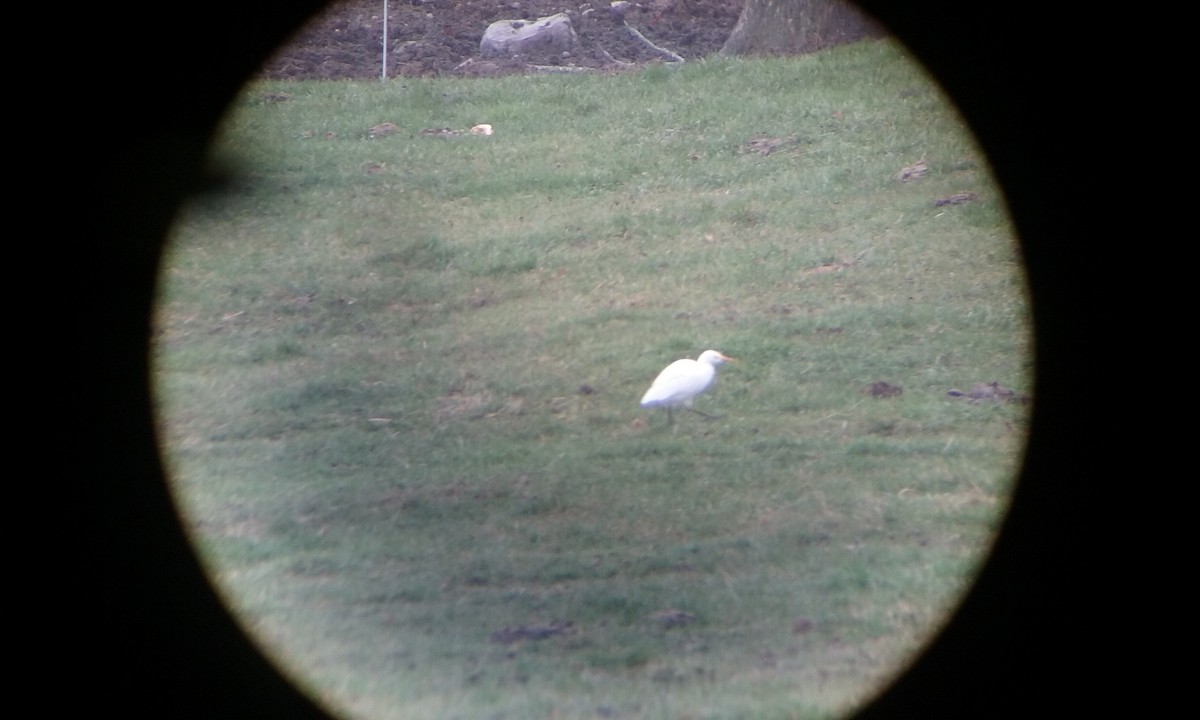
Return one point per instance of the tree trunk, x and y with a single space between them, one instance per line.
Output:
792 27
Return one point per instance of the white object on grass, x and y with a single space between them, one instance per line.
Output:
681 381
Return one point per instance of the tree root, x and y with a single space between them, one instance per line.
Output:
561 69
613 60
671 56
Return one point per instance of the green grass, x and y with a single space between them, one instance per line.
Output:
398 383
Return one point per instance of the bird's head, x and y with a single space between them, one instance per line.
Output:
714 358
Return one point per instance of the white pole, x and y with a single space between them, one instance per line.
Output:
384 77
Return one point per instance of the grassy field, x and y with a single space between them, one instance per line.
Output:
398 380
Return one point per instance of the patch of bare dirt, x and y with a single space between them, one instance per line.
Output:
441 37
991 391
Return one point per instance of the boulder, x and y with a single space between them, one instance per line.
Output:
548 35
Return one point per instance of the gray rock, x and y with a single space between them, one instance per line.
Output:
551 34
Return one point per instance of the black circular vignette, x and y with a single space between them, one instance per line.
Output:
148 635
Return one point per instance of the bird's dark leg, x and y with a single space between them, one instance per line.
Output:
670 417
710 417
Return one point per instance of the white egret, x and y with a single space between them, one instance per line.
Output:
681 381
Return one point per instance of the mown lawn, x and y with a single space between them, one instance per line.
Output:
398 378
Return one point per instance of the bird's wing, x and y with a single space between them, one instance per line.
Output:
679 382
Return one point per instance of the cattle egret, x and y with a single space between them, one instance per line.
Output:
681 381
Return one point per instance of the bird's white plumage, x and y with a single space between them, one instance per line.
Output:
681 381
